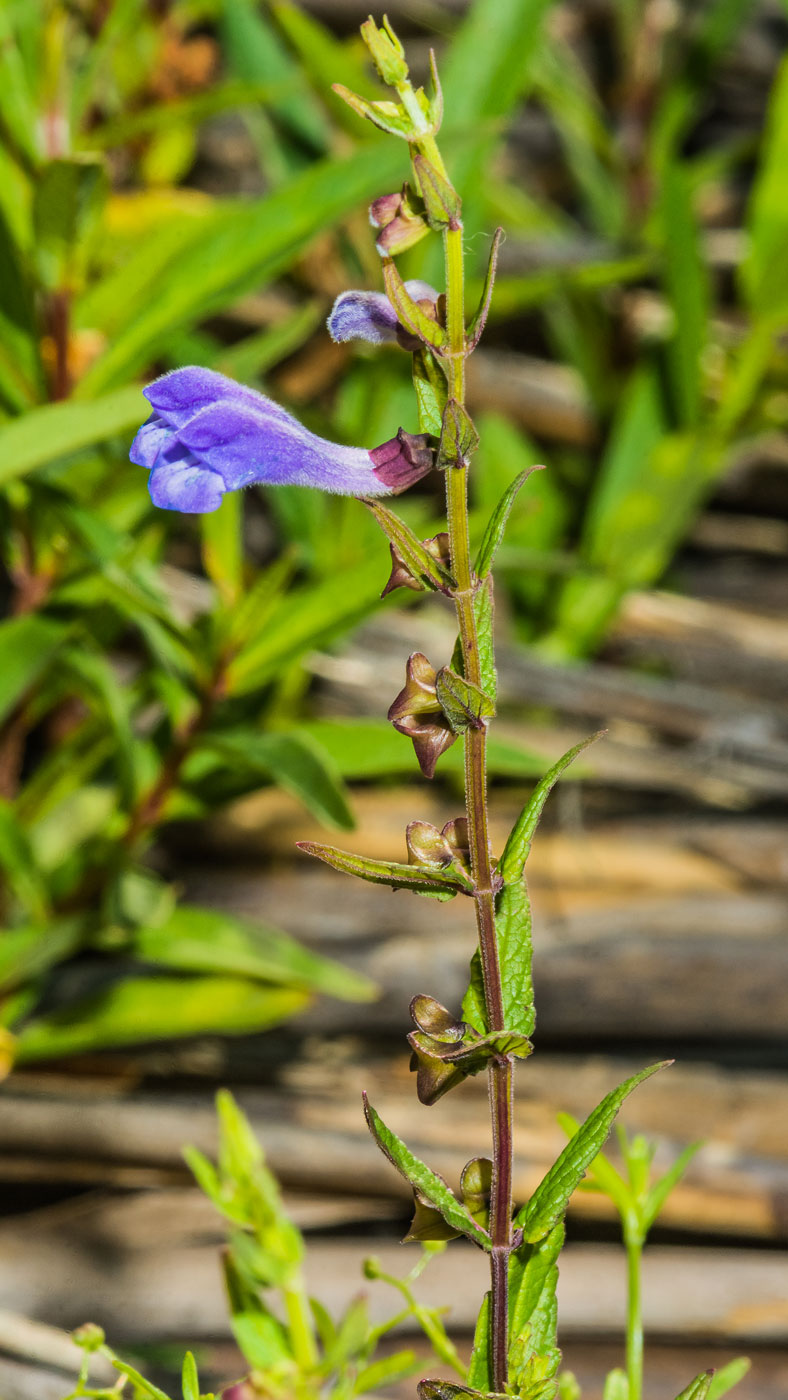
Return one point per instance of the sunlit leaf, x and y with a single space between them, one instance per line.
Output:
551 1197
156 1008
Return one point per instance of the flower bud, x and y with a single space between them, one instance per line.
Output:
386 207
399 220
89 1336
387 52
241 1390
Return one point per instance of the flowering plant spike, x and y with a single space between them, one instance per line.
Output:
206 436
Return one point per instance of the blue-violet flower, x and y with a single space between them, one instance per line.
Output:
370 316
208 435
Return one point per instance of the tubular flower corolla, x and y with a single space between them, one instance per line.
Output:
370 315
208 435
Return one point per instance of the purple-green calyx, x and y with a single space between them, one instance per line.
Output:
208 435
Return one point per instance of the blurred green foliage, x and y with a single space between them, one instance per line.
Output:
288 1341
292 1345
152 669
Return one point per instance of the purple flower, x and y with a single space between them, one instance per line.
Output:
207 435
370 315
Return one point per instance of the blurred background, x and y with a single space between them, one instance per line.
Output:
181 699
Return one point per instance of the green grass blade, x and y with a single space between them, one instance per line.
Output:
515 948
28 646
687 286
205 941
158 1008
226 254
294 761
59 429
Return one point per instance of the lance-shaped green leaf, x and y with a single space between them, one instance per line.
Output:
515 854
474 1007
390 117
699 1388
661 1189
261 1337
410 315
190 1380
67 200
423 880
616 1385
55 429
141 1385
533 1277
420 563
384 1373
479 321
429 383
431 1186
602 1175
441 201
484 616
727 1377
459 438
515 952
464 704
551 1197
295 762
496 525
480 1368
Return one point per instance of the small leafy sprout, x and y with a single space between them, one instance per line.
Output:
286 1337
639 1200
636 1197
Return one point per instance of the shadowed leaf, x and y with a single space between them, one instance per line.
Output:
427 1182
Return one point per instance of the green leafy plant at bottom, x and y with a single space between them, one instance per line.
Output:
291 1344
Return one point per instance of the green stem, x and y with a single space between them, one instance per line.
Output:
300 1327
634 1318
500 1075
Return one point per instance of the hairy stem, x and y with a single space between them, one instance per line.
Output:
500 1072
